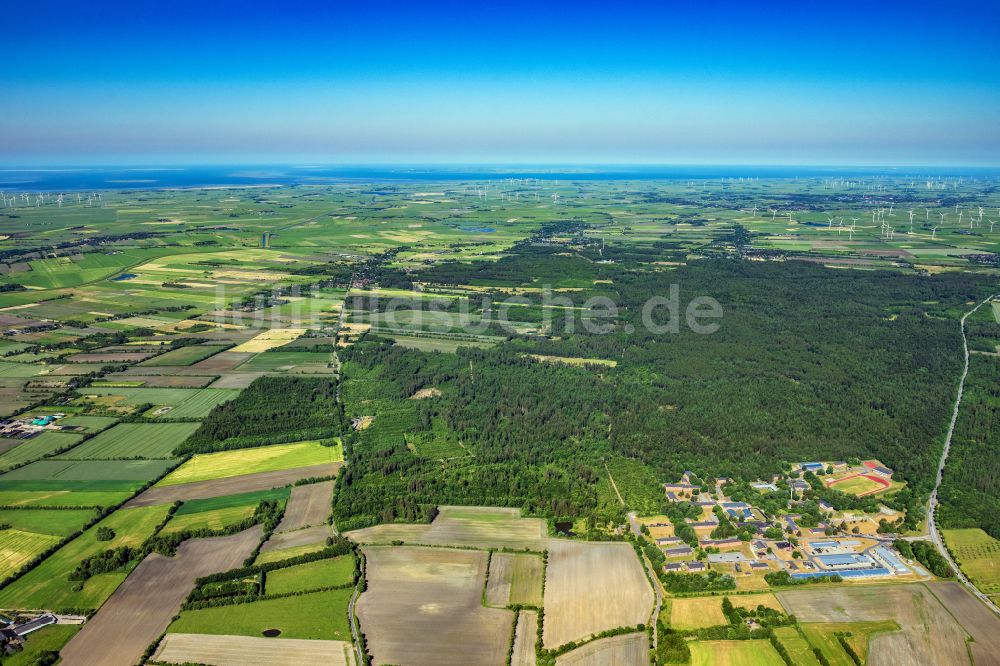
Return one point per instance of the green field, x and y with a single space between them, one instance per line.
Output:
798 648
17 547
188 355
224 464
50 638
229 501
734 653
88 470
47 585
90 423
201 403
318 615
311 576
62 522
822 636
37 447
42 498
143 396
978 555
274 361
215 519
134 440
288 553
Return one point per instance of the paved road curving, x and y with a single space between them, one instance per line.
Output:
932 528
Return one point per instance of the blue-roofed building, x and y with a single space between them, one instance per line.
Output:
850 573
812 466
845 561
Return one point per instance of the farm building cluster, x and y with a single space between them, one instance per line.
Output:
753 541
28 427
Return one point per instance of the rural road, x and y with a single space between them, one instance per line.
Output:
932 528
354 626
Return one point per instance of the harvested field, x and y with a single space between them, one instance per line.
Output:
307 536
624 650
252 651
308 505
478 527
929 633
976 619
231 485
524 639
438 592
141 609
591 587
514 579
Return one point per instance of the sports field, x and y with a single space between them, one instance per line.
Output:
861 484
203 467
134 440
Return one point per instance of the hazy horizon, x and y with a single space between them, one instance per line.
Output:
392 83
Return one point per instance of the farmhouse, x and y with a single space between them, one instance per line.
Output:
673 566
695 566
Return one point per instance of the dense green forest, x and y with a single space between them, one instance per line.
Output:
807 363
271 410
970 491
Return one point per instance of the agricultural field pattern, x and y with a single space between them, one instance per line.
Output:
503 420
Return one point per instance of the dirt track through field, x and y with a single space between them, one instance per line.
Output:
308 505
231 485
141 608
252 651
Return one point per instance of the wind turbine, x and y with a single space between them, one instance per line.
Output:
991 225
933 232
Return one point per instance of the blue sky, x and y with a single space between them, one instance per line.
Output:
375 82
